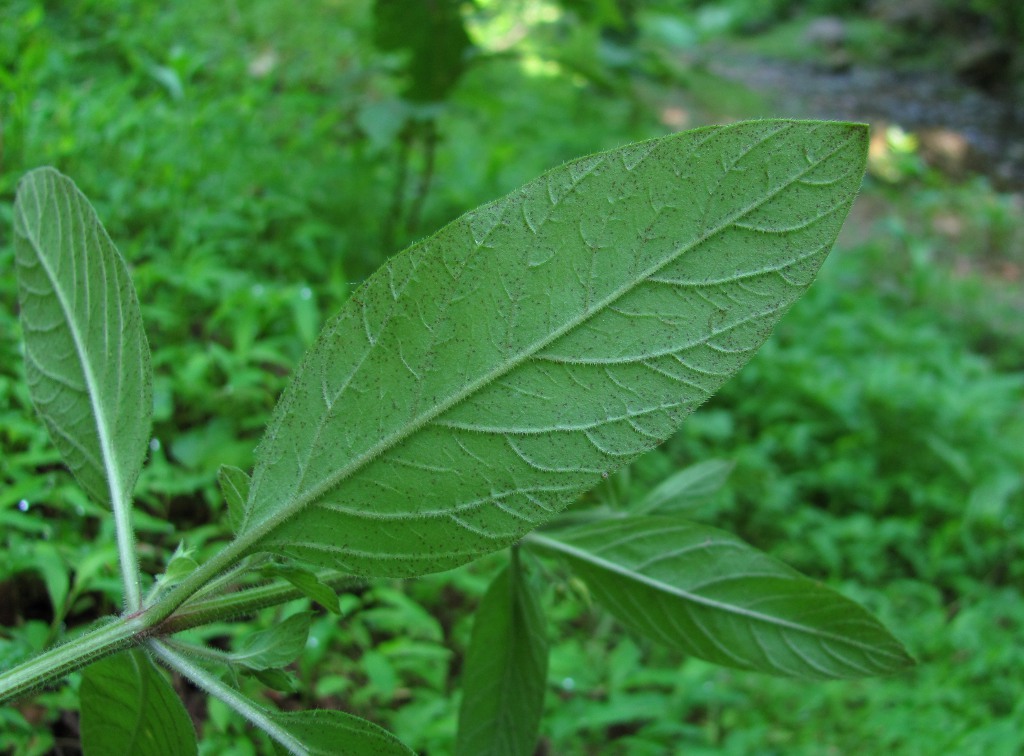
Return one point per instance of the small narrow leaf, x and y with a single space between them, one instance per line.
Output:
54 570
275 679
179 566
329 733
505 671
234 486
711 595
276 646
129 707
486 377
306 581
86 355
686 487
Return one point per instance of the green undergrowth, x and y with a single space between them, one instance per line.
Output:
878 437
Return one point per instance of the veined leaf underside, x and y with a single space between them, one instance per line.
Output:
86 355
485 377
711 595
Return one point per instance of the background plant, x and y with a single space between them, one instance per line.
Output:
927 260
436 419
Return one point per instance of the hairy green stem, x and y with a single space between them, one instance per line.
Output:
217 688
53 665
247 601
246 565
197 651
131 576
208 571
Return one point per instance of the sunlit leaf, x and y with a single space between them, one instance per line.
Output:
86 355
710 594
505 670
128 707
484 378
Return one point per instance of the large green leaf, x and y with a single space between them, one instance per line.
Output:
335 733
484 378
128 707
710 594
505 671
86 354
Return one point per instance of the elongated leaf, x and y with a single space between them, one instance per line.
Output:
128 707
505 670
330 733
308 582
484 378
710 594
682 489
86 354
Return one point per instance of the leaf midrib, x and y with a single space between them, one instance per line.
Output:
110 459
639 577
265 528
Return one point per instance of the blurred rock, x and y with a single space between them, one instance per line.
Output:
836 62
921 16
828 32
984 63
949 151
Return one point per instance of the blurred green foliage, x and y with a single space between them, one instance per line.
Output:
256 160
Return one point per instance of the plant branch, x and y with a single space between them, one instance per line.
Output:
207 611
198 651
130 573
226 559
209 682
53 665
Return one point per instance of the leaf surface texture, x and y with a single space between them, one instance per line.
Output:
708 593
485 377
129 707
505 671
86 354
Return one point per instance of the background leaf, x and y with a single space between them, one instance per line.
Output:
484 378
86 353
276 646
505 670
308 582
328 733
129 707
708 593
686 487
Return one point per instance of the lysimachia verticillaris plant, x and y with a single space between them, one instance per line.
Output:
464 395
